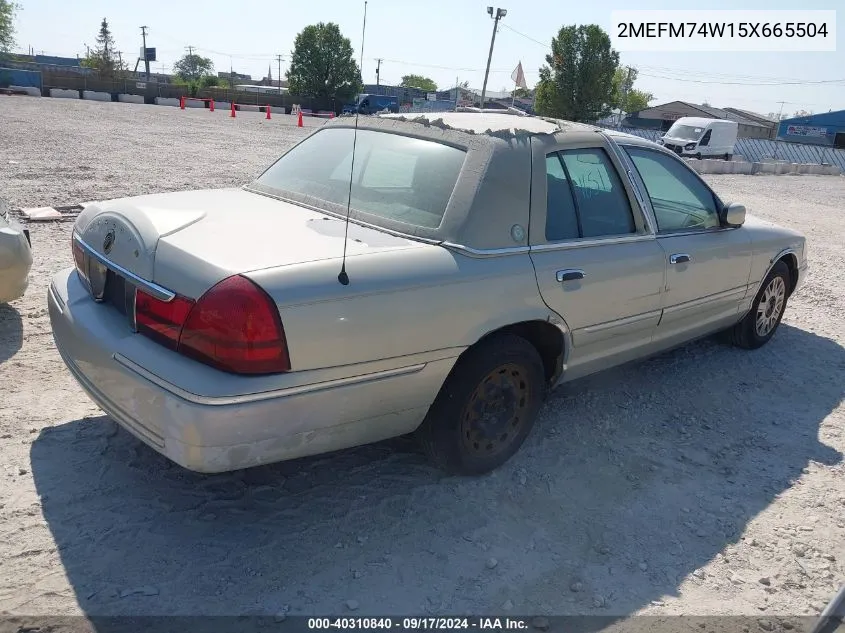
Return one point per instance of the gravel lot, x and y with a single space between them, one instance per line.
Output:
708 480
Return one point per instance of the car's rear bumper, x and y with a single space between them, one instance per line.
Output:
15 264
215 434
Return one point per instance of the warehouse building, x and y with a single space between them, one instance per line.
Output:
661 117
826 129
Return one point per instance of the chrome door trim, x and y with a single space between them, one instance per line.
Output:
621 322
587 242
485 252
159 292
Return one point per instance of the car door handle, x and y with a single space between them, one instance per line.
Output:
569 274
679 258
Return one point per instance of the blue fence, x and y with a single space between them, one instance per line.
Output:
757 149
17 77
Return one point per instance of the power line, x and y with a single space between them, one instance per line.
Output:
746 83
528 37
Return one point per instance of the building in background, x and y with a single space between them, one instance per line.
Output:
826 129
661 117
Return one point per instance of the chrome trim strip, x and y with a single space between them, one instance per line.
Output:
159 292
715 229
266 395
734 294
584 243
601 327
486 252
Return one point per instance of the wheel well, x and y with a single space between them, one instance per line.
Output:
792 263
545 337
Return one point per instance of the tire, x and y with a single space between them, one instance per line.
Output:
746 333
728 157
459 434
698 156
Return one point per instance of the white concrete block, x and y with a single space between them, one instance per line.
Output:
245 107
130 98
194 104
41 213
32 92
60 93
222 105
91 95
167 101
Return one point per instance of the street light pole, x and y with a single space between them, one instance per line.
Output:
500 13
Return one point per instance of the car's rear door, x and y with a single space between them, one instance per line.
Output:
707 264
597 261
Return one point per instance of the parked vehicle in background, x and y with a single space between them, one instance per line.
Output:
701 137
490 257
371 104
15 257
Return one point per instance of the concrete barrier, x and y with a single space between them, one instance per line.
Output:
194 104
222 105
130 98
31 91
246 107
60 93
775 168
167 102
90 95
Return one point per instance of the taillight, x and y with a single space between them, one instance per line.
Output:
235 327
78 256
162 321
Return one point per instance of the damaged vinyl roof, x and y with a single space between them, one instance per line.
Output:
489 122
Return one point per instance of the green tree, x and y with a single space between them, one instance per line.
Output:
577 83
625 96
418 81
104 58
193 67
7 25
323 64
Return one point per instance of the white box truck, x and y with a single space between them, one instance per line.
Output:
701 138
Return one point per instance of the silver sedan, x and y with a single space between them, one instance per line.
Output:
439 284
15 257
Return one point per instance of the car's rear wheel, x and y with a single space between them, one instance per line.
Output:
766 312
486 407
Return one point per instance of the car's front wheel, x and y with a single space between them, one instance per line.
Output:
486 407
766 312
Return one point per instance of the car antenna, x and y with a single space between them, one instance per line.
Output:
343 278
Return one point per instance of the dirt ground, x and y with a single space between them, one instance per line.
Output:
708 480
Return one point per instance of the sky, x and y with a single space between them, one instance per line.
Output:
447 40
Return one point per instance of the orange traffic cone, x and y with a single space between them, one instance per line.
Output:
182 102
268 110
233 110
299 121
211 105
331 115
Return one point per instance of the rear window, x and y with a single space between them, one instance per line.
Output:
396 177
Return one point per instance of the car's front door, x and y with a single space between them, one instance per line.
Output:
707 264
597 261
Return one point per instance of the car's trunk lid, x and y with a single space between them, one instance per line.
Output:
188 241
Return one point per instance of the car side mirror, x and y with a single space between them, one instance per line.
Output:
734 214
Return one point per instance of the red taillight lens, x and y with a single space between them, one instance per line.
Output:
235 327
162 321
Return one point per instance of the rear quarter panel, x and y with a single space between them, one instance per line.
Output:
399 304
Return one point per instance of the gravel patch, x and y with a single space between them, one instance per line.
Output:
706 481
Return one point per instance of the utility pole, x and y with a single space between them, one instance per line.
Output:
120 60
626 85
378 69
777 129
190 51
279 59
500 13
146 57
